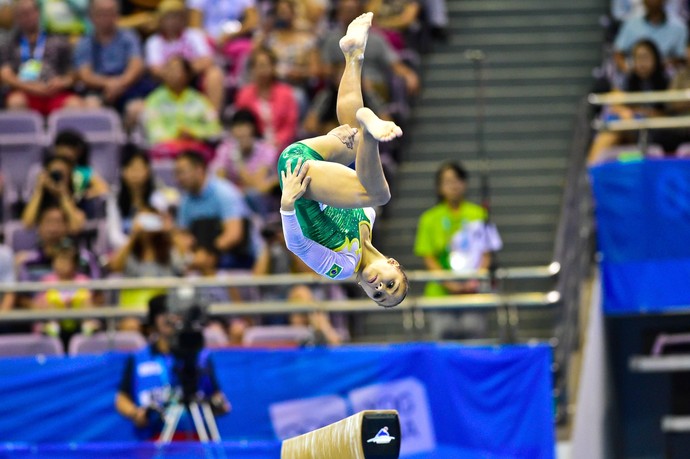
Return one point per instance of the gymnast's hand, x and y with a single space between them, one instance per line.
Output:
295 183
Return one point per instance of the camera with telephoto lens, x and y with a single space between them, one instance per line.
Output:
188 339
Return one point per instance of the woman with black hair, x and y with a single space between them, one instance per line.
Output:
136 191
54 188
86 182
647 74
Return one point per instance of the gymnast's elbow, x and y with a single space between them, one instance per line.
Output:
380 198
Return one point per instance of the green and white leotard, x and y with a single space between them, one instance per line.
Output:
326 238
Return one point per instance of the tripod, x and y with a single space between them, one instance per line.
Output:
202 416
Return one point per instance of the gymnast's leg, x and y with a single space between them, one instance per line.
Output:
331 182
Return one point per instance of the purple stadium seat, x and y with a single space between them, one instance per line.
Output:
164 170
102 129
276 336
28 344
22 139
683 150
102 342
214 337
18 237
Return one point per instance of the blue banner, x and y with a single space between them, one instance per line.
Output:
643 225
453 401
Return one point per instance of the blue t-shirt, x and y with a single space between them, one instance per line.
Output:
671 36
218 199
110 59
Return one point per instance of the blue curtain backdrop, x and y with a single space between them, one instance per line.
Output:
643 230
454 401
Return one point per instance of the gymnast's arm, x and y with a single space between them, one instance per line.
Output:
323 261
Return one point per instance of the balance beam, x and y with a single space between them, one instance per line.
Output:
361 436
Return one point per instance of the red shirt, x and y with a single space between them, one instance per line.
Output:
278 115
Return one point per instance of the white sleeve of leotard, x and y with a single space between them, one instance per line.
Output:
324 261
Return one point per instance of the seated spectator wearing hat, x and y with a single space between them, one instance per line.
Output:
176 116
150 379
36 65
174 38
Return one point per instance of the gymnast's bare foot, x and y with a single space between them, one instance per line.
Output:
355 40
383 131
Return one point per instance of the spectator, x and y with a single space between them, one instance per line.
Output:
87 183
671 139
109 61
52 228
64 17
213 211
453 235
174 38
65 266
382 62
669 34
176 116
37 66
322 116
205 263
297 59
55 188
272 102
394 18
149 252
248 162
140 15
7 276
136 191
647 74
230 25
143 394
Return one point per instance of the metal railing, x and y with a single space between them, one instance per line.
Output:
572 251
499 301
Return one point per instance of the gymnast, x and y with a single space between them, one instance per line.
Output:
326 207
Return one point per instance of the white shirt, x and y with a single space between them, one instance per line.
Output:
191 45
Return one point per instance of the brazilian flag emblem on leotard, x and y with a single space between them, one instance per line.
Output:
334 270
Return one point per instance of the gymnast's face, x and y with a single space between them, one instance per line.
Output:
384 282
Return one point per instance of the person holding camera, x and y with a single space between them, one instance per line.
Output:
149 252
54 187
151 378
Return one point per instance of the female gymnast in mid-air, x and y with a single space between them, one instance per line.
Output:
326 207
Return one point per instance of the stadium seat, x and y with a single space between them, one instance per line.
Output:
28 344
18 237
102 129
683 150
22 140
213 337
164 170
277 336
103 342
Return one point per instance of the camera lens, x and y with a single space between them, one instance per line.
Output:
56 176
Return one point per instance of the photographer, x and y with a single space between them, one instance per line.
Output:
54 187
151 378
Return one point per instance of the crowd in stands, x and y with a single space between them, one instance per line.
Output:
649 51
209 93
